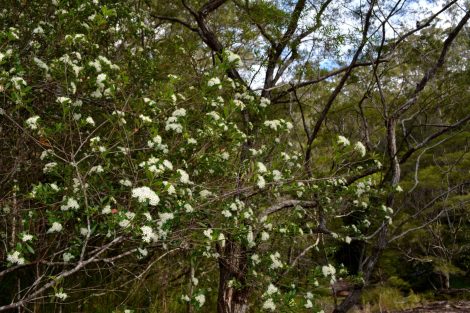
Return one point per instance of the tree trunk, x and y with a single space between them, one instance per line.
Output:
232 266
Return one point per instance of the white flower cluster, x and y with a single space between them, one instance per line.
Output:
172 122
67 257
271 290
215 81
278 124
61 295
343 141
200 299
15 258
264 102
96 169
359 147
26 237
49 167
148 235
329 270
260 182
18 82
233 58
144 194
184 177
32 122
90 121
63 100
269 305
55 228
156 143
70 204
275 261
145 118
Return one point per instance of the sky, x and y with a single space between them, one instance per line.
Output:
411 12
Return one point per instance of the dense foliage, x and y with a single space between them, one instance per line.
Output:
231 156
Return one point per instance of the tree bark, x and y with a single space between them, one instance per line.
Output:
232 266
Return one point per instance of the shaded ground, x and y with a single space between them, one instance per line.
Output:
440 307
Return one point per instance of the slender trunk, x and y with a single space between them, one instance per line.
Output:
232 266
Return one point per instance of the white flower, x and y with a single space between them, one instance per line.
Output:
125 182
18 82
188 208
225 155
61 295
398 188
201 299
90 121
96 169
165 217
274 124
214 115
95 140
208 233
276 263
328 270
49 167
261 183
83 231
171 189
145 118
143 252
271 290
264 102
226 213
215 81
277 175
100 79
347 239
70 204
343 141
269 305
233 58
309 304
124 223
38 30
145 193
359 147
261 167
168 165
63 100
15 258
205 193
67 256
56 227
106 209
179 112
264 236
148 234
32 122
184 177
41 64
255 258
26 237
